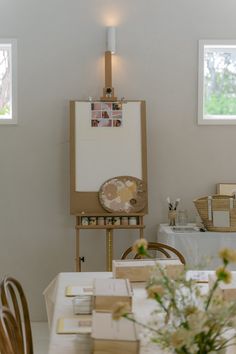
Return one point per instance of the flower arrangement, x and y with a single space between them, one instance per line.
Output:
187 321
172 205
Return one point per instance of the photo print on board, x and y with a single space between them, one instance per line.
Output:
106 114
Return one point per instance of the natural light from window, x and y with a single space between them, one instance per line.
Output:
217 82
7 81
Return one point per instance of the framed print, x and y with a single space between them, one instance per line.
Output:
226 188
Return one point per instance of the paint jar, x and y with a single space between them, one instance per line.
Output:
84 221
101 220
92 220
132 220
125 220
116 220
109 220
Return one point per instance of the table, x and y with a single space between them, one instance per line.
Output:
58 305
200 249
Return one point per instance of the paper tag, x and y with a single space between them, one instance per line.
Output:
221 218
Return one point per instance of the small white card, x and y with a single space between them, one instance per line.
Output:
80 325
200 276
78 290
221 218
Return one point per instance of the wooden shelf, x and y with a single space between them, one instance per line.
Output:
82 223
110 214
107 227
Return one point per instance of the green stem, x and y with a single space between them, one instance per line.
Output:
158 299
211 294
225 343
215 286
140 323
171 290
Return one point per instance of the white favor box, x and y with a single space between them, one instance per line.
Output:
107 292
116 337
139 270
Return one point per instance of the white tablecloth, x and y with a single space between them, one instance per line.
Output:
200 249
58 305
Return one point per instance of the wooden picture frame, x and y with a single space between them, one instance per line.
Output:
226 188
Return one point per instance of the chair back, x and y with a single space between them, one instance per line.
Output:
166 250
10 336
13 297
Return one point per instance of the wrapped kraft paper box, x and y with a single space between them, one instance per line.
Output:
116 337
106 292
140 270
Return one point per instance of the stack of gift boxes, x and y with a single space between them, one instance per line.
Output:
105 335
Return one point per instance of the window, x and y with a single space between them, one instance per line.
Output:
8 108
217 82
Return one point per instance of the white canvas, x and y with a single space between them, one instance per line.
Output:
103 153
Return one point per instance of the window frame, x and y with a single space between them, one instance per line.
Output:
202 120
13 74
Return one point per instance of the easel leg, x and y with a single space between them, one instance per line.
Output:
109 248
141 231
77 259
141 235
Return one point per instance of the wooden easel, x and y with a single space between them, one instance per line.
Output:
109 234
86 204
108 91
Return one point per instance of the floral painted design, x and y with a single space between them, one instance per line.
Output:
123 194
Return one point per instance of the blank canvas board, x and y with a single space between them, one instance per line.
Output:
105 152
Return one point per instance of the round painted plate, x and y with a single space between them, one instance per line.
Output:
123 194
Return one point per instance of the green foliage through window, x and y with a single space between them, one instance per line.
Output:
5 81
4 110
220 81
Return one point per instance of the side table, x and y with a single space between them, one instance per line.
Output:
200 249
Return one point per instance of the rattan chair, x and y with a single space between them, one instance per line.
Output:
165 250
10 336
13 297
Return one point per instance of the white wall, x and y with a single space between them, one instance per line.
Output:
60 57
